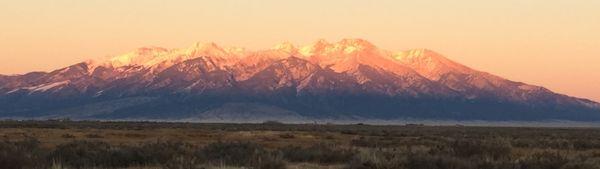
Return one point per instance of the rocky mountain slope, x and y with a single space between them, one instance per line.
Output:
348 80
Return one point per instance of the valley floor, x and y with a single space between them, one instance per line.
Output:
272 145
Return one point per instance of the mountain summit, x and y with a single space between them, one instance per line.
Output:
348 80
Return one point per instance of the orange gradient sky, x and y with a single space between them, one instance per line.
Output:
552 43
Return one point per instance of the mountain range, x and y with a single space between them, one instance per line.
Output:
348 80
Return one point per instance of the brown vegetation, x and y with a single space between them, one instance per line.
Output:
65 144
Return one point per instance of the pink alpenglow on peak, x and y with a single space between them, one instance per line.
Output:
429 63
151 56
351 78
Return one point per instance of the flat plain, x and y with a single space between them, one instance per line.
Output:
94 144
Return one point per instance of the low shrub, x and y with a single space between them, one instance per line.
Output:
67 136
287 136
320 153
372 159
161 152
543 160
81 154
490 149
21 154
244 154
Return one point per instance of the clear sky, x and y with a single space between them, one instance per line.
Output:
553 43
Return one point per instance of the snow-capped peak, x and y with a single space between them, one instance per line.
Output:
139 56
211 48
345 46
351 45
152 56
286 47
315 48
429 63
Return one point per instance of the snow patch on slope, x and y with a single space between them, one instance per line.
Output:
590 104
48 86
